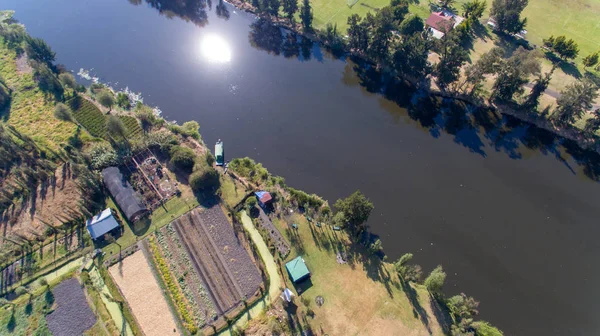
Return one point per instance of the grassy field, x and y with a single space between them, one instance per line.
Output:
575 19
363 296
30 112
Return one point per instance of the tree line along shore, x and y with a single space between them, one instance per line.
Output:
484 60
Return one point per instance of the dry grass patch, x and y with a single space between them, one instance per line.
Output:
363 297
139 287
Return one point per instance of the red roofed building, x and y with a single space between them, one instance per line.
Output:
440 23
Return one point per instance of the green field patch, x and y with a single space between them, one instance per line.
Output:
88 115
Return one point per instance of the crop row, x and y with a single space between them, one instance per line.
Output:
188 279
93 120
178 298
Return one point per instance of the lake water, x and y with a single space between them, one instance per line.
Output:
509 211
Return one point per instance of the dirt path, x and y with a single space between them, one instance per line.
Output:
274 279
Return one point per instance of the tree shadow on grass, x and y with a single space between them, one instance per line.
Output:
441 313
418 310
567 67
12 321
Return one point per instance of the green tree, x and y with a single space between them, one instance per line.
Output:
272 7
591 60
447 3
406 271
290 7
489 63
115 126
435 280
332 38
376 246
539 87
204 179
251 203
106 99
38 50
183 158
507 15
411 25
563 47
63 112
306 15
358 33
474 9
410 57
452 57
356 209
68 80
399 9
514 72
123 101
575 100
383 25
47 81
463 306
592 124
483 328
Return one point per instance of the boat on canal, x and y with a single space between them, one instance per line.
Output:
219 154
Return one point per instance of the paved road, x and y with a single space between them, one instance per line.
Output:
272 271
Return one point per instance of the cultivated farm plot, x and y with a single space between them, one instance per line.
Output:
214 270
143 294
198 299
72 315
88 115
94 121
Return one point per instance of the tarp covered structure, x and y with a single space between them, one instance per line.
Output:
122 192
101 224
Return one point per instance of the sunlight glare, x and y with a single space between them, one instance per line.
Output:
216 49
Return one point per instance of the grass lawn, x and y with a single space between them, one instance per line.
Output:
232 191
363 296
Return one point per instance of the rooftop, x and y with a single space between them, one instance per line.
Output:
101 224
440 21
297 269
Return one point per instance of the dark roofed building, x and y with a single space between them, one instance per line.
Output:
127 199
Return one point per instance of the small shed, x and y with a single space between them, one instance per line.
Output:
263 197
297 270
101 224
122 192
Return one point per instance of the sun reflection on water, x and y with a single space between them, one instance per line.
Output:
215 49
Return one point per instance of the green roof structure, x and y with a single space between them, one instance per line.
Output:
297 269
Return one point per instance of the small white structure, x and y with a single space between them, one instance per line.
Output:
287 295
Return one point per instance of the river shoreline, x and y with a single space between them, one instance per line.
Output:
568 132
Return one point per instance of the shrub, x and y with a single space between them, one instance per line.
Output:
106 99
183 158
189 128
68 80
161 141
63 112
123 101
204 179
102 155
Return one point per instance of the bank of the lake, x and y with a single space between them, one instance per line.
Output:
507 208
